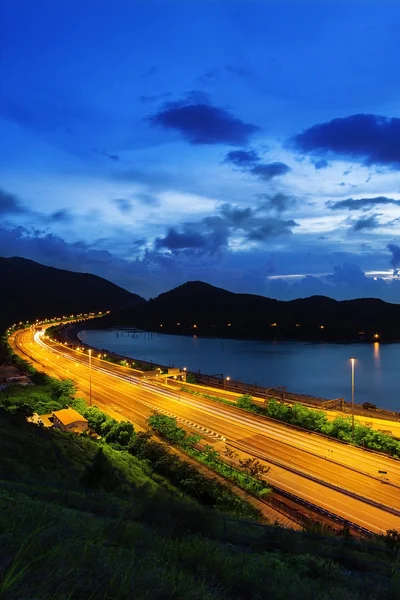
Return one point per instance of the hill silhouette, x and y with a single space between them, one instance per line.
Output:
202 309
30 290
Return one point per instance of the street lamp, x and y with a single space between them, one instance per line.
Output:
90 377
225 380
352 360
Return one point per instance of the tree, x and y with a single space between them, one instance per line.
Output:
190 378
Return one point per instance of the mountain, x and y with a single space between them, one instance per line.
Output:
32 291
199 308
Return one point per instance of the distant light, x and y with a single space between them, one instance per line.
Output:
273 324
178 323
161 325
376 336
195 326
322 327
297 324
229 324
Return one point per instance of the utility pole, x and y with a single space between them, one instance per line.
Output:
90 377
353 360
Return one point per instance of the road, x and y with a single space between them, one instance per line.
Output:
340 478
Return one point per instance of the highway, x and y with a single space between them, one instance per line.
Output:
339 478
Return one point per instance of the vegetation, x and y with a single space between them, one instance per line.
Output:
105 519
315 420
247 473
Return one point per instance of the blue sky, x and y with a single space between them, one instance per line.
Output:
254 145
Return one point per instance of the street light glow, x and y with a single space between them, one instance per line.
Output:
353 361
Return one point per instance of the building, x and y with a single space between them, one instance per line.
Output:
69 419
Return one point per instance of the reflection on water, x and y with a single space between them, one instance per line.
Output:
377 354
322 370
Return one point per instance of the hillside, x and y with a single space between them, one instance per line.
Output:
92 519
32 291
202 309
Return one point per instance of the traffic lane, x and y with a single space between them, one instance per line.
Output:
300 485
330 475
348 508
251 442
369 463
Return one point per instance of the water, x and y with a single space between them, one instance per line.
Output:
317 369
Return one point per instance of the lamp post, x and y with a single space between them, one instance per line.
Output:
90 377
225 380
352 360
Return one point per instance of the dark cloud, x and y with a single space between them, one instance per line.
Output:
113 157
242 158
123 204
271 228
150 72
235 216
10 204
267 172
210 77
321 164
200 241
361 203
395 260
212 234
147 99
202 123
279 202
61 216
371 138
242 72
147 199
366 223
176 241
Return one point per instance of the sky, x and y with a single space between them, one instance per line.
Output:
252 144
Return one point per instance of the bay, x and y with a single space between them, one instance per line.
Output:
321 370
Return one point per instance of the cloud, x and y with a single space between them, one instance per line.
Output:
114 157
370 138
366 223
271 228
147 99
202 123
242 158
176 241
10 204
210 77
267 172
395 260
347 281
241 72
361 203
321 164
61 216
279 202
125 206
235 216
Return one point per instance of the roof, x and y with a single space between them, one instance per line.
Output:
66 416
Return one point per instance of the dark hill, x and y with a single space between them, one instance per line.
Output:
32 291
202 309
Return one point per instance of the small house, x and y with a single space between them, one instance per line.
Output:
69 419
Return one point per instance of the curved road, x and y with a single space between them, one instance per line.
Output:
339 478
